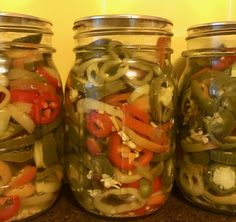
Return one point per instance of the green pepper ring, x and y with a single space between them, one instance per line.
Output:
218 189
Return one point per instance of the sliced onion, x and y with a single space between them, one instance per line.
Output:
138 92
224 200
21 117
19 74
38 199
21 191
126 178
23 107
4 80
6 98
87 104
4 120
143 142
48 185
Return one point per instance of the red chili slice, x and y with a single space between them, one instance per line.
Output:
23 96
115 154
98 124
45 108
9 206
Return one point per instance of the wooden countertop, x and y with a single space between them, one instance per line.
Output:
176 209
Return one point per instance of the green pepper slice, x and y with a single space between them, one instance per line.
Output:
205 102
18 156
220 124
190 179
77 173
167 176
222 156
221 178
108 88
84 198
45 151
47 128
200 157
222 84
163 96
17 143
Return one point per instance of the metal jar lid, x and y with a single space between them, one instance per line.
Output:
120 23
211 29
13 22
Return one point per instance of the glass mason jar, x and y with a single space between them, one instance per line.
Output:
207 134
31 118
120 103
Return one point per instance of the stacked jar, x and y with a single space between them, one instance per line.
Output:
120 100
207 158
31 118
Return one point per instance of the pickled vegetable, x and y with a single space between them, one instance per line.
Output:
120 130
206 173
30 117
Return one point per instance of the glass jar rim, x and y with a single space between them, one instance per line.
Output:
124 22
23 22
211 29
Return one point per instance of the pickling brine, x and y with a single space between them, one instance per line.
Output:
31 118
206 167
120 100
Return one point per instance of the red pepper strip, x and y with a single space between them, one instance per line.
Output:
93 146
145 129
163 132
223 63
162 44
9 206
156 186
144 142
134 184
45 108
24 176
146 209
136 112
116 99
115 154
156 199
98 124
142 103
45 74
